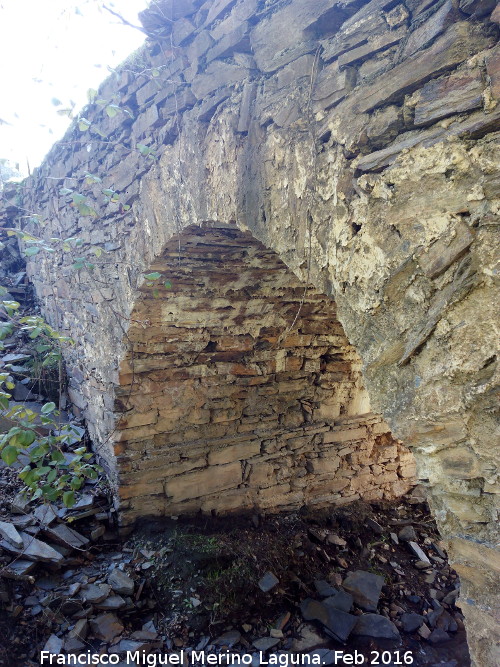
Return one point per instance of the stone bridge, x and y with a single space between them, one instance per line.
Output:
311 189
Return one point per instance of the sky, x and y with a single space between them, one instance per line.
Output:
51 53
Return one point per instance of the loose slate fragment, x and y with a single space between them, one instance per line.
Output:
375 625
365 588
34 549
418 552
337 624
120 582
268 582
66 537
10 534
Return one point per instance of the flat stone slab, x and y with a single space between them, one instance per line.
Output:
340 600
268 582
94 594
365 588
34 549
66 537
106 627
419 552
375 625
120 582
265 643
337 624
10 534
411 621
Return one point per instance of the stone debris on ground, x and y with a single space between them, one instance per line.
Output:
99 599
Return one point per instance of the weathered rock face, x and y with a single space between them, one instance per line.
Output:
359 142
239 390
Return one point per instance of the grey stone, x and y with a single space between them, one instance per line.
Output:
323 588
10 534
268 582
340 600
326 656
365 588
66 536
112 603
106 627
438 636
265 643
418 552
53 644
430 29
95 593
375 625
229 638
411 621
449 95
407 534
217 75
120 582
34 549
337 624
446 52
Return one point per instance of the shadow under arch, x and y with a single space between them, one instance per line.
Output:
239 390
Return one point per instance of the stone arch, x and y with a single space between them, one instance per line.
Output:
239 389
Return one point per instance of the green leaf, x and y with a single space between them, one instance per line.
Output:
155 72
153 276
48 408
69 498
65 191
87 211
112 110
84 124
51 476
143 149
108 192
9 454
91 95
79 198
34 250
168 284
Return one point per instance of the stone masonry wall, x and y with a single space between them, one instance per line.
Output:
225 406
359 141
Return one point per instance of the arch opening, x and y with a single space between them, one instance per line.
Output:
240 391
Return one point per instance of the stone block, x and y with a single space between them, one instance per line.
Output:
449 95
386 156
147 121
493 71
217 75
460 40
495 16
204 482
237 40
242 11
376 44
239 452
182 100
332 85
246 106
217 8
446 250
282 37
345 435
430 29
477 8
146 92
366 24
181 31
200 45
